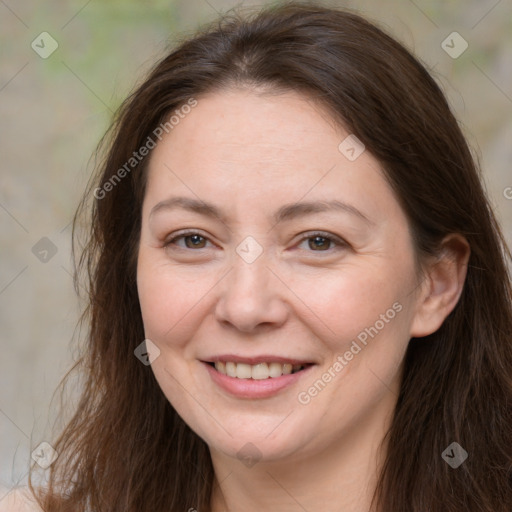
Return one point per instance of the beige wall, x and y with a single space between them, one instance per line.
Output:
53 111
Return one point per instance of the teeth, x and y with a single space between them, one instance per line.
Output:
243 371
230 369
275 370
258 371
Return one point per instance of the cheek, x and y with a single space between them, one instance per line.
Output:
169 299
344 303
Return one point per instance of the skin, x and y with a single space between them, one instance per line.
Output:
250 153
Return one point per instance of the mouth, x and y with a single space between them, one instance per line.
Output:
255 378
259 371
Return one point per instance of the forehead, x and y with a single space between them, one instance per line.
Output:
244 147
247 126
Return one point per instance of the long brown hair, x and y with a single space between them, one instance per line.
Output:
126 448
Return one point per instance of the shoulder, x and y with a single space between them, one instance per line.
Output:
19 499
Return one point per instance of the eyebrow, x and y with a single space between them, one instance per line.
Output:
284 213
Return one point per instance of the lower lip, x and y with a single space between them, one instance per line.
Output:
253 388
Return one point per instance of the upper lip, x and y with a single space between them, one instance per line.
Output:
256 359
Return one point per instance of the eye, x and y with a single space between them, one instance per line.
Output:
192 239
317 241
321 242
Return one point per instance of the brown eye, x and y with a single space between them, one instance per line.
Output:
192 240
319 242
322 242
196 241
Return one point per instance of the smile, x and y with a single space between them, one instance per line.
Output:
258 371
255 379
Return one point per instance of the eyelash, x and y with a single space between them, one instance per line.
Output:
327 236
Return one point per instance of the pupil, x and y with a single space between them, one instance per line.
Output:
196 239
319 241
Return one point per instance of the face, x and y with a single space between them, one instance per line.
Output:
241 282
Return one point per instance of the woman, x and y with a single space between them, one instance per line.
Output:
299 297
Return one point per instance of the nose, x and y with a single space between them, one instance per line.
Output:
252 297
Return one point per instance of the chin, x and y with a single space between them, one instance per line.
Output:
261 444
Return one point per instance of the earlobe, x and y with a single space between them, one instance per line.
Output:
442 288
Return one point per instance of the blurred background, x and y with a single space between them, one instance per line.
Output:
65 66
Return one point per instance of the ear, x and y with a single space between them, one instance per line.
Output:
442 287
